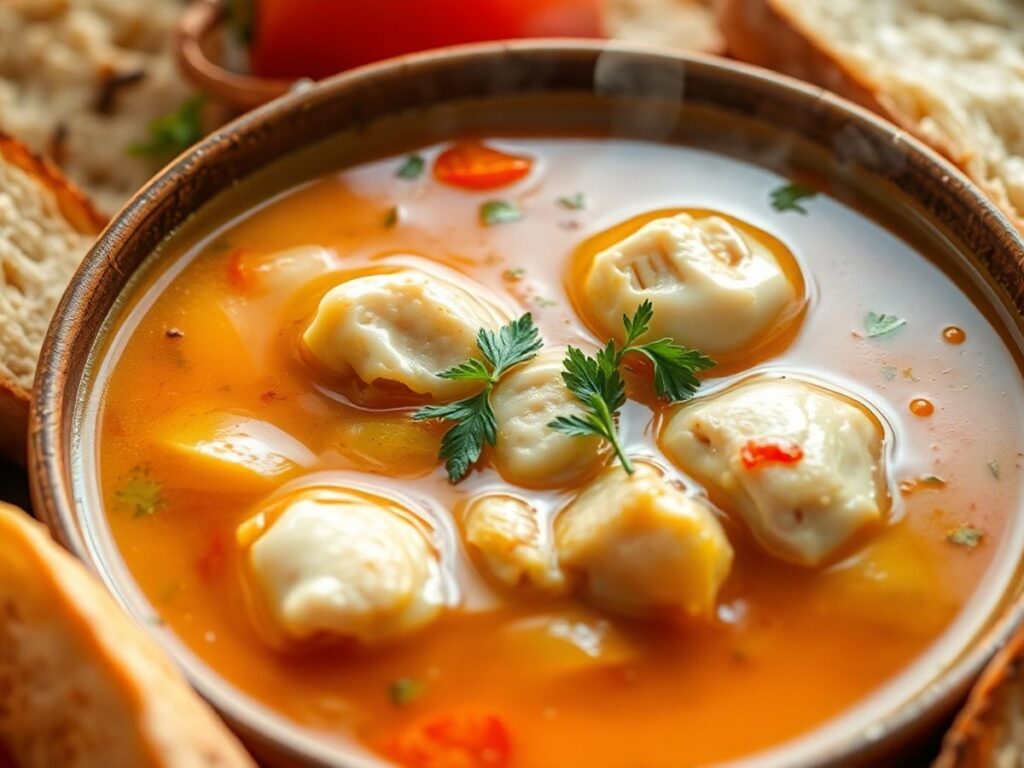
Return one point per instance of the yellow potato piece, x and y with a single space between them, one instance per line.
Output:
567 643
392 445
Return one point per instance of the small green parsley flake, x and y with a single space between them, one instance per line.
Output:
575 202
412 168
993 468
142 495
881 324
405 690
391 217
788 197
933 480
965 536
514 274
495 212
172 134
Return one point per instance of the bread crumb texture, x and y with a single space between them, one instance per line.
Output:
686 24
80 81
950 70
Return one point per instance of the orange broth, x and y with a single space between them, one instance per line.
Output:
789 649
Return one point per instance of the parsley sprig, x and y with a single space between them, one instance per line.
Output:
598 385
473 417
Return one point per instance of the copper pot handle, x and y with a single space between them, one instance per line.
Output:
200 20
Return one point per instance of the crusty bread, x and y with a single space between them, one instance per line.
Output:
949 71
46 226
81 686
688 24
80 81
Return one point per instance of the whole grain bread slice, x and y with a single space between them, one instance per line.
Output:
46 226
81 686
950 72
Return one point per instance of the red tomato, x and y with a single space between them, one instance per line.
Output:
756 453
476 166
316 38
453 740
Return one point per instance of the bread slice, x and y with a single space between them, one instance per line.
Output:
46 226
688 24
81 686
950 72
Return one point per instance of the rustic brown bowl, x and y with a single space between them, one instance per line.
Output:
659 88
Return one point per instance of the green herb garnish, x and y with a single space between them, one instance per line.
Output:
172 134
993 468
141 494
881 324
965 536
475 424
412 168
405 690
575 202
933 480
499 212
391 217
788 197
598 385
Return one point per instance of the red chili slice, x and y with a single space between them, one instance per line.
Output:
471 165
757 453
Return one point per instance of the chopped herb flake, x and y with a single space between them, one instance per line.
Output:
499 212
932 480
514 274
142 495
405 690
881 324
391 217
788 197
965 536
575 202
993 467
172 134
412 168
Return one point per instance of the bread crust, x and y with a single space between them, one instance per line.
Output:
84 218
81 686
762 32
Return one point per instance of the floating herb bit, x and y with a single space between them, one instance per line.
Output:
142 495
881 324
933 480
172 134
789 196
412 168
965 536
405 690
475 424
514 274
575 202
391 217
993 468
499 212
598 385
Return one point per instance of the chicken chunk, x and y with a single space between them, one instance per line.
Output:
505 531
643 546
332 562
528 452
402 327
713 287
800 463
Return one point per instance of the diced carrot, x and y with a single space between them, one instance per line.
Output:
757 453
239 272
460 739
471 165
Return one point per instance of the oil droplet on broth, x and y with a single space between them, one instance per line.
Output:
922 407
953 335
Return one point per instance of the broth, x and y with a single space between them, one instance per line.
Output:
788 650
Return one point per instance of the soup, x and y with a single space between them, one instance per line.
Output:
755 549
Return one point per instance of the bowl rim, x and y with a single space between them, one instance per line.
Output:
51 421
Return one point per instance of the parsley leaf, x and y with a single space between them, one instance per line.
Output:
172 134
965 536
881 324
575 202
405 690
475 424
412 168
597 384
140 493
495 212
788 197
993 468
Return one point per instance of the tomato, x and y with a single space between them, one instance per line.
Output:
756 453
476 166
316 38
459 739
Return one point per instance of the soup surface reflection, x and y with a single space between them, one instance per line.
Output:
212 346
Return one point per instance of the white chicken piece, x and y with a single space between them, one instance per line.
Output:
712 286
644 547
403 327
800 463
505 531
219 448
332 562
528 452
